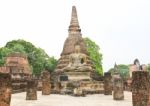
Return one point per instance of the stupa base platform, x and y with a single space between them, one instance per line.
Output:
87 87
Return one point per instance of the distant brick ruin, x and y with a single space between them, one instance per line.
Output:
132 68
17 65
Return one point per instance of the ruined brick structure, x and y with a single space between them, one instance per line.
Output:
136 67
4 69
107 83
5 89
17 65
46 86
19 69
31 91
133 68
140 88
82 72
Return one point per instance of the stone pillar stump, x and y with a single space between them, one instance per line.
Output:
46 86
31 93
107 84
140 88
118 91
5 89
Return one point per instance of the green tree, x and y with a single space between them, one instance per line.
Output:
111 70
123 70
51 64
3 53
38 60
94 54
18 48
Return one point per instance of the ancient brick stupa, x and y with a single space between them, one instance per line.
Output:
74 67
74 37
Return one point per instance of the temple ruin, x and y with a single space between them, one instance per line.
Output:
17 65
74 68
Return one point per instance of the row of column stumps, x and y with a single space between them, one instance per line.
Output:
140 88
31 91
116 85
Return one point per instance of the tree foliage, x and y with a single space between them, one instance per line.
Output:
123 70
94 54
51 63
3 53
37 57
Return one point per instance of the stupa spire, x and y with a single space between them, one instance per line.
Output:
74 24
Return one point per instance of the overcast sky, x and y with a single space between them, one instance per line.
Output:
120 27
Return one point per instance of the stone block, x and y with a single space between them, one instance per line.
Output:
107 84
31 92
118 91
140 88
5 89
46 86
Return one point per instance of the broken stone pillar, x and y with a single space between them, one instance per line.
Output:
140 88
31 90
107 84
118 91
5 89
46 86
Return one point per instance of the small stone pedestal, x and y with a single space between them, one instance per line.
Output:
78 92
31 90
118 93
5 89
107 84
46 86
140 88
58 87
